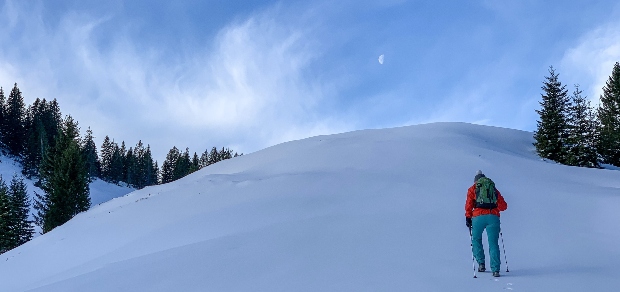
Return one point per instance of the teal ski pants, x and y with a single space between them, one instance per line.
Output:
491 224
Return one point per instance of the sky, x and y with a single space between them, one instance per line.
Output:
251 74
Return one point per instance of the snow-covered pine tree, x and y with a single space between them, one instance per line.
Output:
204 159
225 153
608 113
195 165
581 132
552 128
214 156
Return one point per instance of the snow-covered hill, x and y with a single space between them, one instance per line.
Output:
373 210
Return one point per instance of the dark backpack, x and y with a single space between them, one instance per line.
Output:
486 196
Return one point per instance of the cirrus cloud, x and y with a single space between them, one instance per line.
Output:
592 58
246 88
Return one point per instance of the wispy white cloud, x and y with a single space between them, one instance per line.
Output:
247 88
591 60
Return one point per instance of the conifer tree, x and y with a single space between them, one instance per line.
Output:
552 129
64 180
168 168
107 151
140 165
195 164
36 140
609 119
89 151
13 131
122 162
130 174
581 132
143 168
2 118
52 121
151 169
6 232
204 159
225 153
156 175
118 163
182 165
41 127
20 210
214 156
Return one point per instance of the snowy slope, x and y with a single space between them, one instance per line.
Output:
373 210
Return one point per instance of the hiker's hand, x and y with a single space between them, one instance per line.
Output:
468 222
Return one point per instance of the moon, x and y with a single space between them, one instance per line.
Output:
381 59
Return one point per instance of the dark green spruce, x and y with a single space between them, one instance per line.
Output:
581 148
64 180
20 210
13 128
15 228
42 121
89 152
2 118
608 113
552 128
168 167
6 220
107 151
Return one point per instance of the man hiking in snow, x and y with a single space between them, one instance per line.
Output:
484 202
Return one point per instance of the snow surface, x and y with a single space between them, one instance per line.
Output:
372 210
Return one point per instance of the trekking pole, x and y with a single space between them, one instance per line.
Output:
473 259
504 248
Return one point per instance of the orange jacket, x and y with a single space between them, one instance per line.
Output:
472 211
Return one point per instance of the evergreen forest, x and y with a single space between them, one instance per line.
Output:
571 131
53 153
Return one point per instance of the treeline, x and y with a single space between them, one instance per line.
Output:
178 165
62 163
136 168
572 132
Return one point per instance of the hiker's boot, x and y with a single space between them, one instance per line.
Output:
495 274
481 268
